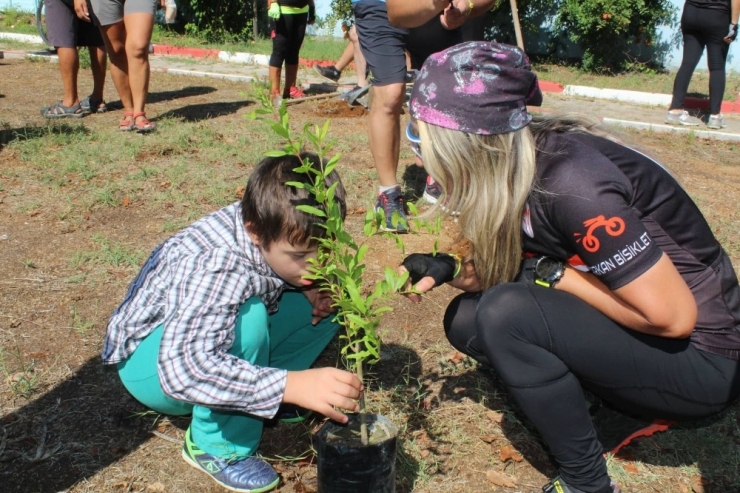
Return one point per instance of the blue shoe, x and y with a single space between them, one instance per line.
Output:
248 475
390 204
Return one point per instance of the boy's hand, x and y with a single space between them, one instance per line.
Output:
323 389
321 302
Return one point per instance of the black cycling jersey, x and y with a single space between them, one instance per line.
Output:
610 209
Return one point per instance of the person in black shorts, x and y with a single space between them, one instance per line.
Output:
288 21
66 33
384 48
589 267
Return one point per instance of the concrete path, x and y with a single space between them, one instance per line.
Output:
623 108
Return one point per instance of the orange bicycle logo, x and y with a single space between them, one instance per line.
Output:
614 226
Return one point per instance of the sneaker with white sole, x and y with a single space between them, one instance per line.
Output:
246 475
557 485
716 122
432 190
391 205
682 118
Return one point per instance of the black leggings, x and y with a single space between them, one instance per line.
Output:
700 28
545 344
287 37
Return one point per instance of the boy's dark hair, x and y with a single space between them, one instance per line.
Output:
269 205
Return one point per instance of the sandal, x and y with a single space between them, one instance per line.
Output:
58 110
127 123
92 105
143 126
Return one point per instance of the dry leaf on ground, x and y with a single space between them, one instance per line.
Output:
508 453
500 479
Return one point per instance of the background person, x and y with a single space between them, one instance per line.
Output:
704 23
625 291
351 52
127 30
288 21
220 323
384 47
66 33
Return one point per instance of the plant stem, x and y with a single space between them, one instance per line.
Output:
363 416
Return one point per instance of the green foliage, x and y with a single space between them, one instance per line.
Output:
341 13
225 20
606 29
338 266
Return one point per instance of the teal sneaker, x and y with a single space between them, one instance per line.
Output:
247 475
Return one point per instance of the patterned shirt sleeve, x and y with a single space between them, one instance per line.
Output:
199 330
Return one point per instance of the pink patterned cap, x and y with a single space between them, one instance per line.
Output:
477 87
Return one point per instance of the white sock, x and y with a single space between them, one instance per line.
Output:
383 189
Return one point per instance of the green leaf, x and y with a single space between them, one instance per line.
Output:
308 209
275 153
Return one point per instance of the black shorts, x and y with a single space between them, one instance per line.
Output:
66 30
383 45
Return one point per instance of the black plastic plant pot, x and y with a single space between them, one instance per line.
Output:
345 465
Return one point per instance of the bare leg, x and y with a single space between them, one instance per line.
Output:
274 80
115 44
98 61
138 35
347 56
69 65
384 130
360 65
291 76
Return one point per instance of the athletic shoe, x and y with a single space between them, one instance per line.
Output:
330 73
432 190
290 413
390 203
557 485
296 93
411 76
716 122
247 475
682 118
616 430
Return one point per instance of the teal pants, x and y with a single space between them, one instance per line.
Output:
285 340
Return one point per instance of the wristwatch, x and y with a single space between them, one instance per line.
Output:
548 271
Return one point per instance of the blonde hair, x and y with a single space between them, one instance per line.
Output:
487 180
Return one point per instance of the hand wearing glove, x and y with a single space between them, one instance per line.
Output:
274 11
732 34
441 267
311 13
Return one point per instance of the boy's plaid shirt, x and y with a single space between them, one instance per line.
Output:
194 283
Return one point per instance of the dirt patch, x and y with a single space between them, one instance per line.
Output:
82 205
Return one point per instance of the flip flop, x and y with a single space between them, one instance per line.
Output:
92 105
58 110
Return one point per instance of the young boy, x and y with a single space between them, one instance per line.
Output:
220 323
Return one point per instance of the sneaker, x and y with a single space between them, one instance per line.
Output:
432 190
616 430
296 93
557 485
290 413
248 475
716 122
411 76
354 94
390 203
331 73
682 118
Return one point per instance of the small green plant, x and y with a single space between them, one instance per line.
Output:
339 266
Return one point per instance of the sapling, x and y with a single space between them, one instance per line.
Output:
338 266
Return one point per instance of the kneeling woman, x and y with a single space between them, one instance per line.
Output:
624 290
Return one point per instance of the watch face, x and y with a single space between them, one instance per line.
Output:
549 269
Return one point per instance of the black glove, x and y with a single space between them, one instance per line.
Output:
441 267
311 13
526 271
733 32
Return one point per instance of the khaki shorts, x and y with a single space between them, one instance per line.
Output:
107 12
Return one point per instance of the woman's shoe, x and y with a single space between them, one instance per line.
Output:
716 122
92 105
682 118
58 110
141 124
127 122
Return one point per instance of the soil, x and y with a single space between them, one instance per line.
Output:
67 424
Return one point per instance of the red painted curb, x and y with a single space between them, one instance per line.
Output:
703 104
550 86
182 51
